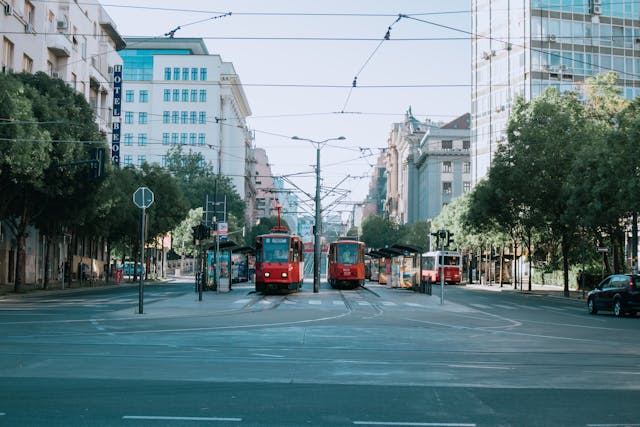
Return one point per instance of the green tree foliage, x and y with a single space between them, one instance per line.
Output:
378 232
264 226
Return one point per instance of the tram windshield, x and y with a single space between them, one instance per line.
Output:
276 249
347 253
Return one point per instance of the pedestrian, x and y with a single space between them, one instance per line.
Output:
579 280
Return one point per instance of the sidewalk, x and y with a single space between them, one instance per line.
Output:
536 289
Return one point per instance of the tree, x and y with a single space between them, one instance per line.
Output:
378 232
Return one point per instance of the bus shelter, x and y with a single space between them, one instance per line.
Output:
409 274
392 261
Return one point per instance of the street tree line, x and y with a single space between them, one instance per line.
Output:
47 134
564 183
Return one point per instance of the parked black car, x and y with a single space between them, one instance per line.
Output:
619 293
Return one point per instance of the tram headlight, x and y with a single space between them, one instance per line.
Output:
284 275
267 274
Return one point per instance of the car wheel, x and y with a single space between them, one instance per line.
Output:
617 308
591 306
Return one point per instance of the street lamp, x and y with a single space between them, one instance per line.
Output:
316 232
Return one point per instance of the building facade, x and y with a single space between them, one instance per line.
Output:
520 48
78 43
439 169
176 93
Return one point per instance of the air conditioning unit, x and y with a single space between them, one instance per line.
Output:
552 38
8 9
55 74
61 25
597 2
596 9
28 28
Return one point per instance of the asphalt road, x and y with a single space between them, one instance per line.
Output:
374 356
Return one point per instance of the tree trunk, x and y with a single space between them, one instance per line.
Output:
515 264
21 253
565 264
47 258
108 275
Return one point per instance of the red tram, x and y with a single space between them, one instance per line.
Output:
279 261
346 263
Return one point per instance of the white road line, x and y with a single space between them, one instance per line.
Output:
268 355
507 307
162 418
337 302
400 423
315 302
388 303
289 302
364 303
614 425
483 306
504 368
242 301
413 304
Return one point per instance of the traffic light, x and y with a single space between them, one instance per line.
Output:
449 238
97 162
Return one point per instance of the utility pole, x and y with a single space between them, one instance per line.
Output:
318 219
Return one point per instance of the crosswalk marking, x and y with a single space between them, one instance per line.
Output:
337 302
315 302
480 305
388 303
364 303
507 307
413 304
242 301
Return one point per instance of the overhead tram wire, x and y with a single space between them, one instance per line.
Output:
386 37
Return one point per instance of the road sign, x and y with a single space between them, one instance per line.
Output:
223 228
602 250
143 197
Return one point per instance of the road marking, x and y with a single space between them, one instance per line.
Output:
400 423
337 302
506 307
315 302
483 306
242 301
268 355
613 425
364 303
413 304
289 302
388 303
162 418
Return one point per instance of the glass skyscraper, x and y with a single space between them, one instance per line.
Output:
520 47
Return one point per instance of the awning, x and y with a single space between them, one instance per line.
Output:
408 249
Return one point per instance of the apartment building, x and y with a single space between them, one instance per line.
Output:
78 43
175 92
520 48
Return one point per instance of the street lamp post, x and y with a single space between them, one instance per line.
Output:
318 219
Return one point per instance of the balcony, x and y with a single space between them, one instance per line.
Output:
59 45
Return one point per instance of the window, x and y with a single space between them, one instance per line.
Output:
166 117
128 117
194 74
167 73
185 95
141 160
193 117
142 139
183 138
176 73
194 95
202 138
174 139
466 186
446 167
176 95
203 117
185 74
142 118
165 138
466 145
27 64
7 55
143 96
127 160
192 139
203 95
466 167
167 95
184 117
128 139
447 145
175 117
203 74
446 187
128 96
164 161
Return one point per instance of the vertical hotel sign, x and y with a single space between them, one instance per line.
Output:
115 125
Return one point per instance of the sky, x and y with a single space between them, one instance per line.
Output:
297 60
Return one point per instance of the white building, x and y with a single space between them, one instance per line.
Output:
176 93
